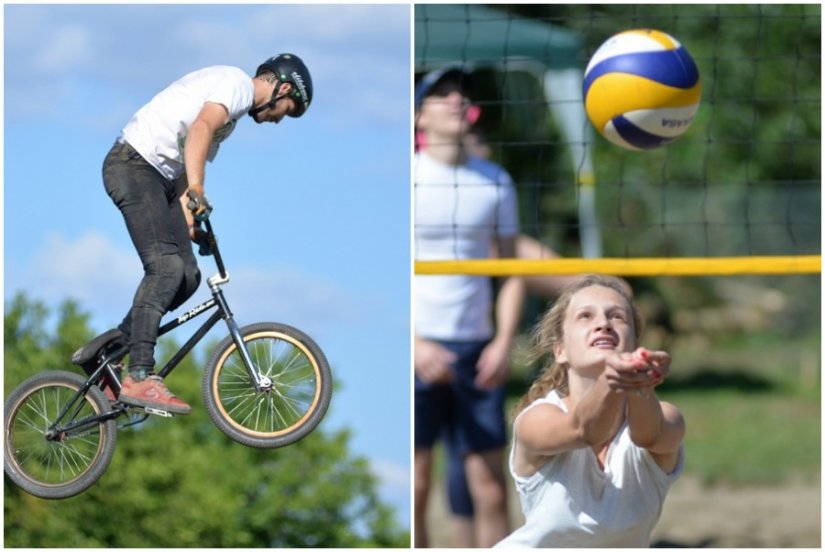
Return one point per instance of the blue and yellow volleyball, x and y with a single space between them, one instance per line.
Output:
641 89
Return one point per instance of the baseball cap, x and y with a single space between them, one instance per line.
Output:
429 81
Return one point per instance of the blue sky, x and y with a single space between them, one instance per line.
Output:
313 214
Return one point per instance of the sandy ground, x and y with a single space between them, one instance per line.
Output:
718 517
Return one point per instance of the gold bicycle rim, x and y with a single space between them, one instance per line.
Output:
10 448
269 434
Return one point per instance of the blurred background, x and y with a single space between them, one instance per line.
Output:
745 180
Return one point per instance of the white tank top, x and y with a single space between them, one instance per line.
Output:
572 502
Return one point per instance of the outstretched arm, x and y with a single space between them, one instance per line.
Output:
593 419
212 116
623 391
655 425
546 430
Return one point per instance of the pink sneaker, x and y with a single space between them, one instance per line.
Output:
152 393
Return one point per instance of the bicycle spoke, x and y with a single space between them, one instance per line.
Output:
276 414
52 461
293 390
241 404
28 421
283 400
73 458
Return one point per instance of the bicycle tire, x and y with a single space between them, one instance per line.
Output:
281 415
59 468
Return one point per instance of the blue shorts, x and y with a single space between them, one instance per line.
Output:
470 419
458 490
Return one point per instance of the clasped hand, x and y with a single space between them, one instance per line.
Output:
636 370
200 208
198 203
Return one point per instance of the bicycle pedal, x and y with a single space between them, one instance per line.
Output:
158 412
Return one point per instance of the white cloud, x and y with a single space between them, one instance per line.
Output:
395 486
90 269
285 294
65 49
103 276
391 474
354 52
59 38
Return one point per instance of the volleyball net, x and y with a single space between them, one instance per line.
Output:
739 193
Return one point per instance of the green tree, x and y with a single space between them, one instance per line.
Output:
182 483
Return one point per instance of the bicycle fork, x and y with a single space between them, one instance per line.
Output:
262 382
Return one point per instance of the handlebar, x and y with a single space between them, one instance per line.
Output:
196 202
213 244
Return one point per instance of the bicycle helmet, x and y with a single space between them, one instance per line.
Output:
287 68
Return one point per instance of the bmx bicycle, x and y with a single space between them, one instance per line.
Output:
266 385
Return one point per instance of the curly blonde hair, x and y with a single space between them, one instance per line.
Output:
550 331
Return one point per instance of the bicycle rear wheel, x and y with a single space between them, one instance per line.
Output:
56 461
283 412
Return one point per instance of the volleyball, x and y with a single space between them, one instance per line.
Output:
641 89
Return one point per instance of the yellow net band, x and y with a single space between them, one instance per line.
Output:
696 266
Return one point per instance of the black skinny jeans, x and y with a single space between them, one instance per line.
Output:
157 226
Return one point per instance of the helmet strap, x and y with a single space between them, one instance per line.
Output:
271 103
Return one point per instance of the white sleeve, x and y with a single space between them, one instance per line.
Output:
235 93
507 211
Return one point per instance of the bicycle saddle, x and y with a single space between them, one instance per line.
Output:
90 350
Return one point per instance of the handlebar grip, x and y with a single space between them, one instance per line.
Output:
197 202
193 200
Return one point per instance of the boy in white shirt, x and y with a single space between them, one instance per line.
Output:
156 162
465 207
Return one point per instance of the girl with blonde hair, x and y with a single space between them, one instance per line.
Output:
594 450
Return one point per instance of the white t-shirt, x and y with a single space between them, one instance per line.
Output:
158 130
459 211
572 502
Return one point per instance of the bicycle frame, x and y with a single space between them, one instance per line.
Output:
106 370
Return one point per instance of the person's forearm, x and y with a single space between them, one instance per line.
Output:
196 148
509 308
597 414
644 417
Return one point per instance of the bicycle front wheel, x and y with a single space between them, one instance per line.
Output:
52 459
292 403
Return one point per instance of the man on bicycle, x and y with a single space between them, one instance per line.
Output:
154 174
